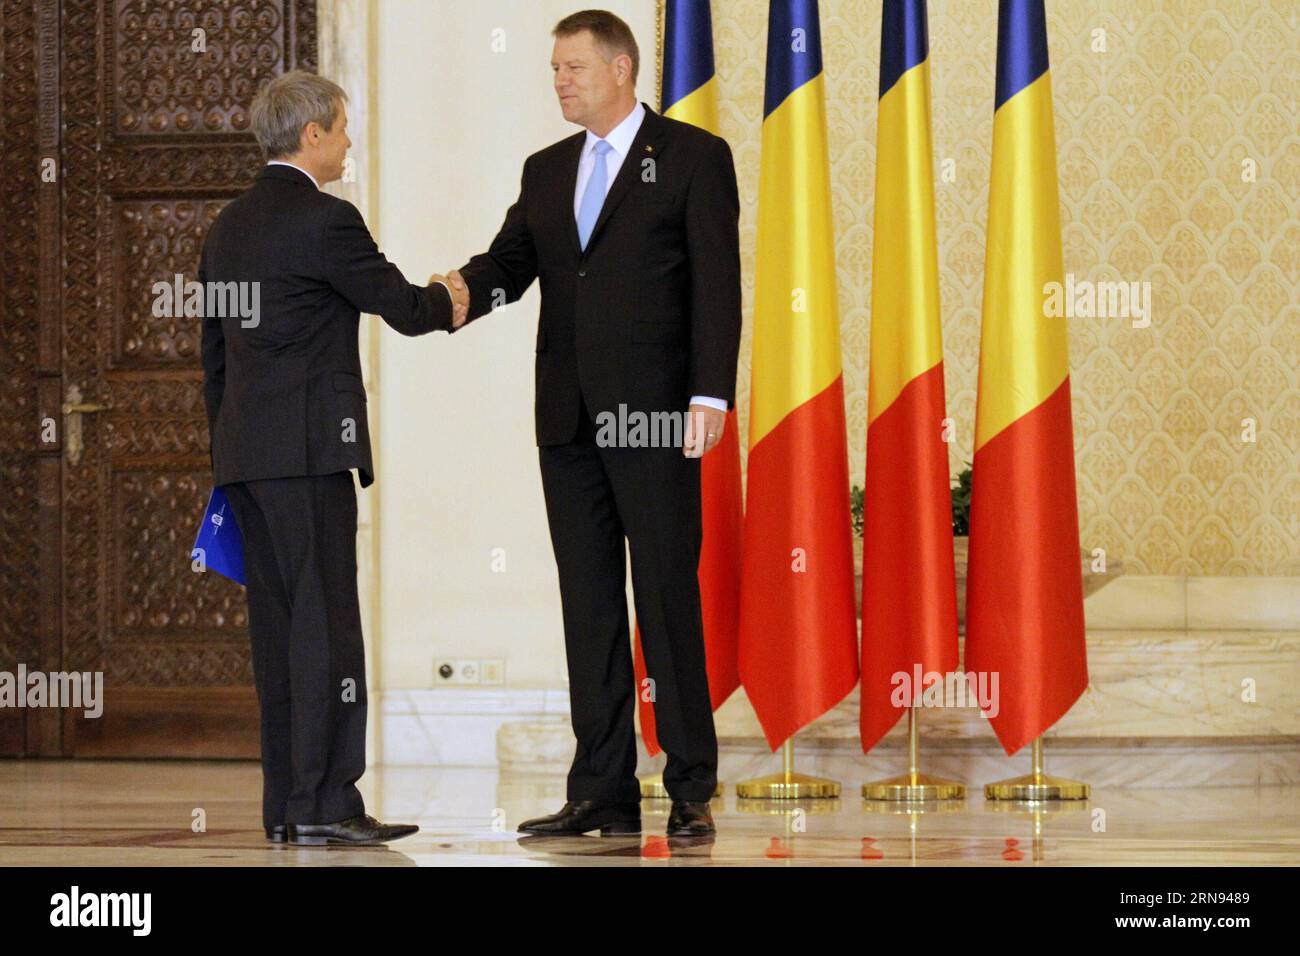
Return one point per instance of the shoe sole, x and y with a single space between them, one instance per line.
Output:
334 841
337 841
606 829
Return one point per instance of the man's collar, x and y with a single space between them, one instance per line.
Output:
621 136
281 162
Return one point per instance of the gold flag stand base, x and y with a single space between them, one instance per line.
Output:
788 785
914 786
1037 786
652 788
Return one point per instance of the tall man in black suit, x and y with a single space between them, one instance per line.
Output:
632 229
287 417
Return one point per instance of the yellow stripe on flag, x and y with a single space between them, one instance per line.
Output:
699 107
1023 355
796 351
906 332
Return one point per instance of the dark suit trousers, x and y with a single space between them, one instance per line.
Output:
300 563
595 497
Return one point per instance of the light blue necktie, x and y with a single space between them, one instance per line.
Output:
594 196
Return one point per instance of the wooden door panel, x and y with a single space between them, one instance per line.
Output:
171 147
151 139
22 561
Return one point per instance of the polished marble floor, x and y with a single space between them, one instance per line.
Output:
145 813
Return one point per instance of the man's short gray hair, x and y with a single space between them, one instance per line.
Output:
287 104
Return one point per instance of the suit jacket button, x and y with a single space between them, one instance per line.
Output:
582 273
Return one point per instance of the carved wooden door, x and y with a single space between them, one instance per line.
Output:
143 107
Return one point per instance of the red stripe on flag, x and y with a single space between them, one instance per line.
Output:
798 633
909 591
1024 591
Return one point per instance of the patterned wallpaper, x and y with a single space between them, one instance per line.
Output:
1152 135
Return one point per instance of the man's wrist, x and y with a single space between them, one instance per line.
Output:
719 403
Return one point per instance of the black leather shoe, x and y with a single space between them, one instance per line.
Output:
277 833
358 831
689 818
582 816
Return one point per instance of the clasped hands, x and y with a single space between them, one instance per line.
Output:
459 295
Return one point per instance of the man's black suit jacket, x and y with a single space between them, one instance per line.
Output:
649 314
285 398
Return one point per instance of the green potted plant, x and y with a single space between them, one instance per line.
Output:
961 532
961 504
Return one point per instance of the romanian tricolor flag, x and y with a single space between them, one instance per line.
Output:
909 586
1024 598
690 94
798 634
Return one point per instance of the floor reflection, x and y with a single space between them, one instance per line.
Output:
144 813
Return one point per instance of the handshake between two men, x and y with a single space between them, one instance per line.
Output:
639 268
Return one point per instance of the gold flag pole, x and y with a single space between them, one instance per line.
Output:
1036 785
788 785
914 785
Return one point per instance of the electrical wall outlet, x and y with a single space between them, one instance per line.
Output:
449 671
468 670
463 670
492 670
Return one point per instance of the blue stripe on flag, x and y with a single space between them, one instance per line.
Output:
792 60
1022 46
904 40
688 50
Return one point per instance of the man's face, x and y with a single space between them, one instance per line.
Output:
332 147
586 84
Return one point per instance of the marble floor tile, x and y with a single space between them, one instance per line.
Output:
143 813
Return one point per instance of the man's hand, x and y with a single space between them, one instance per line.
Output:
460 291
704 425
459 296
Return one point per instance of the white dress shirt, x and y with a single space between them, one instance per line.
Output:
281 162
620 139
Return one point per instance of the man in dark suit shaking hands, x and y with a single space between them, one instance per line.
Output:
632 228
287 418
